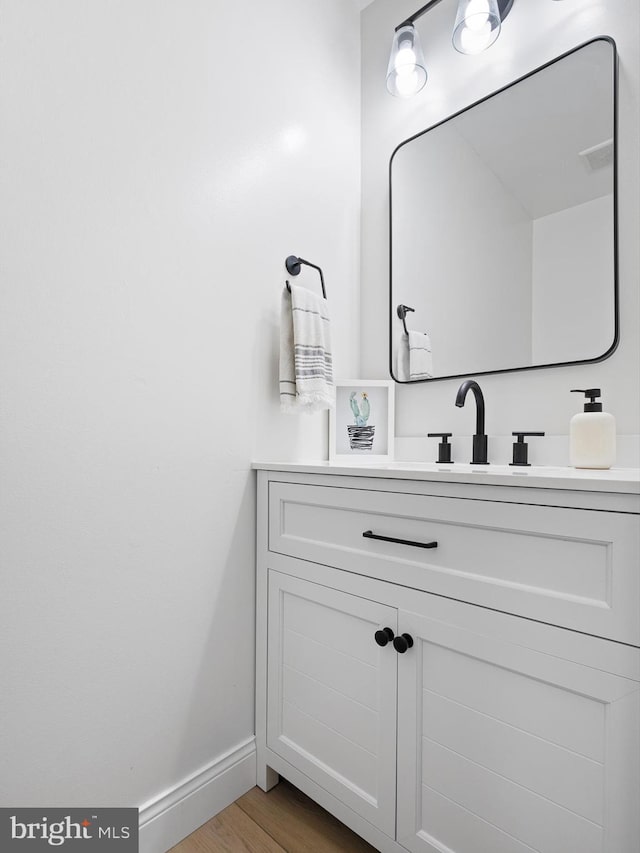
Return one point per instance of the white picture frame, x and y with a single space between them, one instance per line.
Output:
362 431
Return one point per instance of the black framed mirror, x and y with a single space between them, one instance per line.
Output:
503 228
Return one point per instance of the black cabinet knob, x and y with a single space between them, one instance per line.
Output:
383 636
402 643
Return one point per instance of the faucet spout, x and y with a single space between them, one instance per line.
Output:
479 456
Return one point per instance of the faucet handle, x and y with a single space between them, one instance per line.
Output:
521 448
444 448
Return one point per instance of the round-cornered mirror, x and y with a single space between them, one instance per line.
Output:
503 228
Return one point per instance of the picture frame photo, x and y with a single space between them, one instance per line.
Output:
361 427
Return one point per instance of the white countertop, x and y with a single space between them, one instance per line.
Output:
620 480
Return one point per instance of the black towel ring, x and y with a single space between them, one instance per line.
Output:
293 265
402 313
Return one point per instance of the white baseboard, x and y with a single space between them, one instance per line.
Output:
167 819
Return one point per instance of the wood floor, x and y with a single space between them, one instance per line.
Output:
282 820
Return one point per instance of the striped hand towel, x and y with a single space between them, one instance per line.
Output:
402 359
306 369
420 358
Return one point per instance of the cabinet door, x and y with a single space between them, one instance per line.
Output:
331 696
505 749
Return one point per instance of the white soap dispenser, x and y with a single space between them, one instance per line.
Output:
592 435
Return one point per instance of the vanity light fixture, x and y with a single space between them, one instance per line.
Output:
477 25
476 28
406 73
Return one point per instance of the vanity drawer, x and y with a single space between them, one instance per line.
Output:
575 568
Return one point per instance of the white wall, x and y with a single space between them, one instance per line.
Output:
535 32
159 160
572 294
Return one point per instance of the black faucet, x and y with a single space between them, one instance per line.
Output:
479 456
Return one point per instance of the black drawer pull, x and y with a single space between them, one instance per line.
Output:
369 534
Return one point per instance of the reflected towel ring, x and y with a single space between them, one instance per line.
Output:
402 311
293 265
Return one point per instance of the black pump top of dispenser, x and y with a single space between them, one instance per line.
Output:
593 393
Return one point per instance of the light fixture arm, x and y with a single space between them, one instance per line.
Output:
413 18
504 7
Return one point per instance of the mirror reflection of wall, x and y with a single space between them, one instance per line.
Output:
502 224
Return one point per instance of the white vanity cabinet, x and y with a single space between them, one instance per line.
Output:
331 697
501 724
505 744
